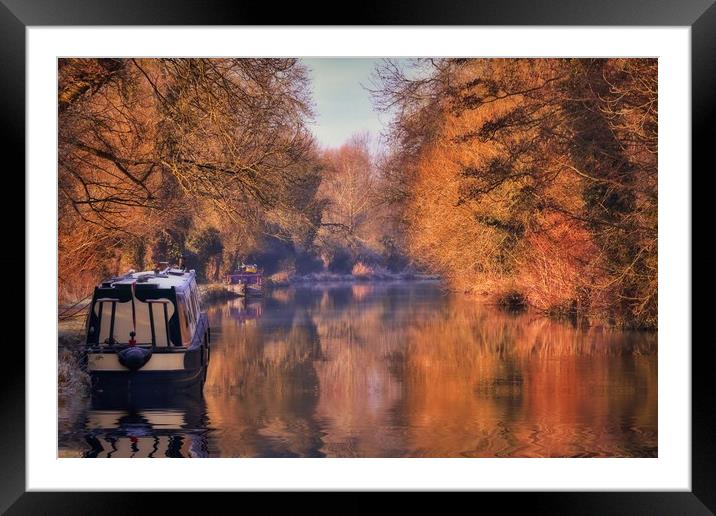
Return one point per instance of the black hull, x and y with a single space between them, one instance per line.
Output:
147 382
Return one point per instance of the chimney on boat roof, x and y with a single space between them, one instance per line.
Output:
182 262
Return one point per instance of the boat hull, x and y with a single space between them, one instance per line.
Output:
237 288
254 291
245 290
185 380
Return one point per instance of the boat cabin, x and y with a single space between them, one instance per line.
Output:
161 308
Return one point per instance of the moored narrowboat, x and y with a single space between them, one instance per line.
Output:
146 331
246 281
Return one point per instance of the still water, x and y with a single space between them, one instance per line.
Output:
391 370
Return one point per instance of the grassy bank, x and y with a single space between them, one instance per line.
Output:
576 312
212 292
72 378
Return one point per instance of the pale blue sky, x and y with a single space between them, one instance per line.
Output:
343 107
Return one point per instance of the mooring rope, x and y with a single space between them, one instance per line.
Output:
65 313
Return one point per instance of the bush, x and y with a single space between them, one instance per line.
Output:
72 378
279 279
362 270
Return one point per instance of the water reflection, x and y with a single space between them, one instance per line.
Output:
243 310
146 427
402 370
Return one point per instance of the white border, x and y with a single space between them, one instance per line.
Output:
670 471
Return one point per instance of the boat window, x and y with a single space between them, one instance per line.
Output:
197 302
185 320
190 299
189 306
192 317
190 310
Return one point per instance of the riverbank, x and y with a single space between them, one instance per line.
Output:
72 378
217 292
283 279
572 312
212 292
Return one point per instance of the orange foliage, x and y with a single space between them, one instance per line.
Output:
535 176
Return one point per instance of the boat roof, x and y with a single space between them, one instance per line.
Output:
166 279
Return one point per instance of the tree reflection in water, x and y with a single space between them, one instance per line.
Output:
398 370
392 370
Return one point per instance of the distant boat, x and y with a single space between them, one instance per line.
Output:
246 281
147 331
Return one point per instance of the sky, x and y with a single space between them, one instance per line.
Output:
343 107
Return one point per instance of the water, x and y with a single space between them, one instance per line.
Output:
391 370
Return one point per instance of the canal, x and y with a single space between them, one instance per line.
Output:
390 370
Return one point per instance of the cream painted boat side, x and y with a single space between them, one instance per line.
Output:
158 362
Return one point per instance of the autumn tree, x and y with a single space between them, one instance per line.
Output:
530 177
144 142
356 223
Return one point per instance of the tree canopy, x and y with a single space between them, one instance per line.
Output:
535 177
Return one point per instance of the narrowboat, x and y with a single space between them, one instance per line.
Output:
246 281
147 332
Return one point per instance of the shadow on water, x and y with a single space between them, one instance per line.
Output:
392 370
